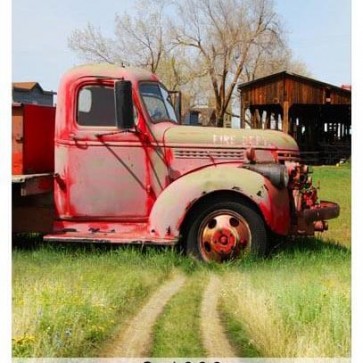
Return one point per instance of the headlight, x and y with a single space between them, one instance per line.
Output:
276 173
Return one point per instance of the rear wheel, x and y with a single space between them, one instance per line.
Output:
221 231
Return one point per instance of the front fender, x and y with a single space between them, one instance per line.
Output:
175 201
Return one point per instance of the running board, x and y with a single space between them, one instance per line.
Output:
109 237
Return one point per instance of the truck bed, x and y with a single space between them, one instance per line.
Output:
32 199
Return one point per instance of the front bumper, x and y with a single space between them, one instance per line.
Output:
315 219
323 211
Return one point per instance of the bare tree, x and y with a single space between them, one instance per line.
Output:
92 46
229 38
138 40
204 47
141 38
272 59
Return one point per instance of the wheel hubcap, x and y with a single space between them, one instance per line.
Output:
223 235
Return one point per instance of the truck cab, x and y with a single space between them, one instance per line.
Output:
126 171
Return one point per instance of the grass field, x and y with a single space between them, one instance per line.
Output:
69 301
66 301
335 185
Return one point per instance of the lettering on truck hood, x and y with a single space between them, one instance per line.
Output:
195 136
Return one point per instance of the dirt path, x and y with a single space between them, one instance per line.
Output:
136 340
214 338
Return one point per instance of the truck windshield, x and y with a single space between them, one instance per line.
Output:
158 102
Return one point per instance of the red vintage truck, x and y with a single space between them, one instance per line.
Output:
126 171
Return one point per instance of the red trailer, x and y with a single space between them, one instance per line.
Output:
126 171
32 139
32 167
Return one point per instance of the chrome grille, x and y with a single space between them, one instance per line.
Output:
208 154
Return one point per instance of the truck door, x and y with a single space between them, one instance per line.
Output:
106 173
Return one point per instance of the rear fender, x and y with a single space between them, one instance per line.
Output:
174 203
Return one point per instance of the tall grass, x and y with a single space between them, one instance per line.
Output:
297 302
295 308
335 185
67 302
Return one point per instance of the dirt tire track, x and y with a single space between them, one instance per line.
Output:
214 338
136 340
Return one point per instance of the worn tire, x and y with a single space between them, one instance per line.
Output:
222 230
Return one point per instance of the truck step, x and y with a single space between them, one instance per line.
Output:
109 237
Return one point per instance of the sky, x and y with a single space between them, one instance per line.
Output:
318 32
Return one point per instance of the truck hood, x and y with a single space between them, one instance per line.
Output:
195 136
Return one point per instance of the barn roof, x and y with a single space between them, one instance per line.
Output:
29 86
294 89
294 77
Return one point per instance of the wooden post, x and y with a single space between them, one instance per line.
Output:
253 117
268 120
242 115
285 119
294 129
258 119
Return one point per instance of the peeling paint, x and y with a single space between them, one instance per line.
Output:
187 190
141 184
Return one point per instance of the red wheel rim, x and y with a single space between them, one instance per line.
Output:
223 235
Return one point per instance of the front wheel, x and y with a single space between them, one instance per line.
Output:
223 231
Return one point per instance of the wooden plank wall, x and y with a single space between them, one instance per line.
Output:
295 91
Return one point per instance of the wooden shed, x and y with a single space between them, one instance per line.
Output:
316 114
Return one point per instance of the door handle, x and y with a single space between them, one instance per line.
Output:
78 142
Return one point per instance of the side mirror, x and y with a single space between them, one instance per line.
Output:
123 105
176 99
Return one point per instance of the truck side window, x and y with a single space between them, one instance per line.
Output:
96 106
